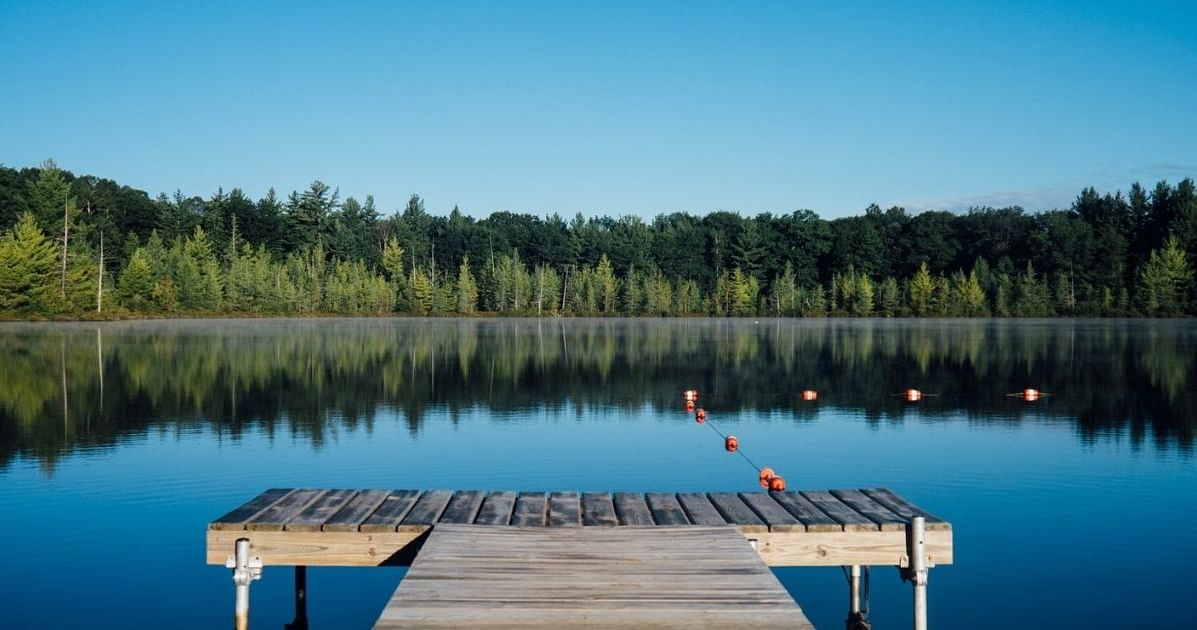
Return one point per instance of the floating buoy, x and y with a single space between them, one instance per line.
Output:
1030 394
777 484
766 475
913 395
810 394
731 443
689 405
700 416
690 394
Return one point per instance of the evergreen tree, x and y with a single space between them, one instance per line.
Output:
1166 281
891 297
27 268
137 282
467 289
921 291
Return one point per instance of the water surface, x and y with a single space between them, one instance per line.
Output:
120 441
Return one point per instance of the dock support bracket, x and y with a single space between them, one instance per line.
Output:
301 600
246 569
915 568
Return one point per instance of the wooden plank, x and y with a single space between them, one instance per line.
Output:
463 507
770 511
392 511
316 513
699 508
531 509
665 509
359 508
737 512
565 509
905 509
496 508
242 514
314 549
830 549
632 510
275 517
844 515
810 516
598 509
589 577
427 510
859 501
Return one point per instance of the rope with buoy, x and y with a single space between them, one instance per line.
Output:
768 479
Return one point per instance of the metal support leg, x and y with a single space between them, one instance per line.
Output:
856 617
245 570
917 551
301 600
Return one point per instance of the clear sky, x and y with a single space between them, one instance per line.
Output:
608 107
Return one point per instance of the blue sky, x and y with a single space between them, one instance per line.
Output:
609 107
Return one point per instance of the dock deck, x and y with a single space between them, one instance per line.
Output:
315 527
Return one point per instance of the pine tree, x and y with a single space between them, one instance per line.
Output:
922 291
1165 281
608 286
891 297
27 268
137 282
862 306
467 288
421 292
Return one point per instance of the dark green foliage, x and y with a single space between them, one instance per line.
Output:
1107 255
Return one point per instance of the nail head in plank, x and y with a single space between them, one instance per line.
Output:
314 515
810 516
598 509
245 512
737 512
852 520
565 509
700 509
392 511
496 508
632 510
463 507
770 511
885 519
906 509
530 509
427 510
273 518
665 509
356 511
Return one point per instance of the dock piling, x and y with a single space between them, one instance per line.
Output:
301 600
245 570
918 570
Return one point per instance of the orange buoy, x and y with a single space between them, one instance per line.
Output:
913 395
731 443
777 484
766 474
689 405
700 416
810 394
1030 394
690 394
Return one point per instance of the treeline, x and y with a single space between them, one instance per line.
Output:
73 245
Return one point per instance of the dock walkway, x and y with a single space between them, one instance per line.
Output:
314 527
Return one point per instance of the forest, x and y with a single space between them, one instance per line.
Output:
88 247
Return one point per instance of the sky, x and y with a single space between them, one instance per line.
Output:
609 107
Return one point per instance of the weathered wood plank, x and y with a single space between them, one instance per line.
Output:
770 511
531 509
496 509
665 509
598 509
736 511
886 520
829 549
313 549
632 510
463 507
356 511
700 509
844 515
275 517
633 577
565 509
810 516
242 514
317 512
905 509
427 510
392 511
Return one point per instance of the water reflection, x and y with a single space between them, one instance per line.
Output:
72 386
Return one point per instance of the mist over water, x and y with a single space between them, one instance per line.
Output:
120 441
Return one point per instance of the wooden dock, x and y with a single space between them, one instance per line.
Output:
314 527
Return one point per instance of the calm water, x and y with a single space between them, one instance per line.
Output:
120 441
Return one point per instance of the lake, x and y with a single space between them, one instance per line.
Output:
120 441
